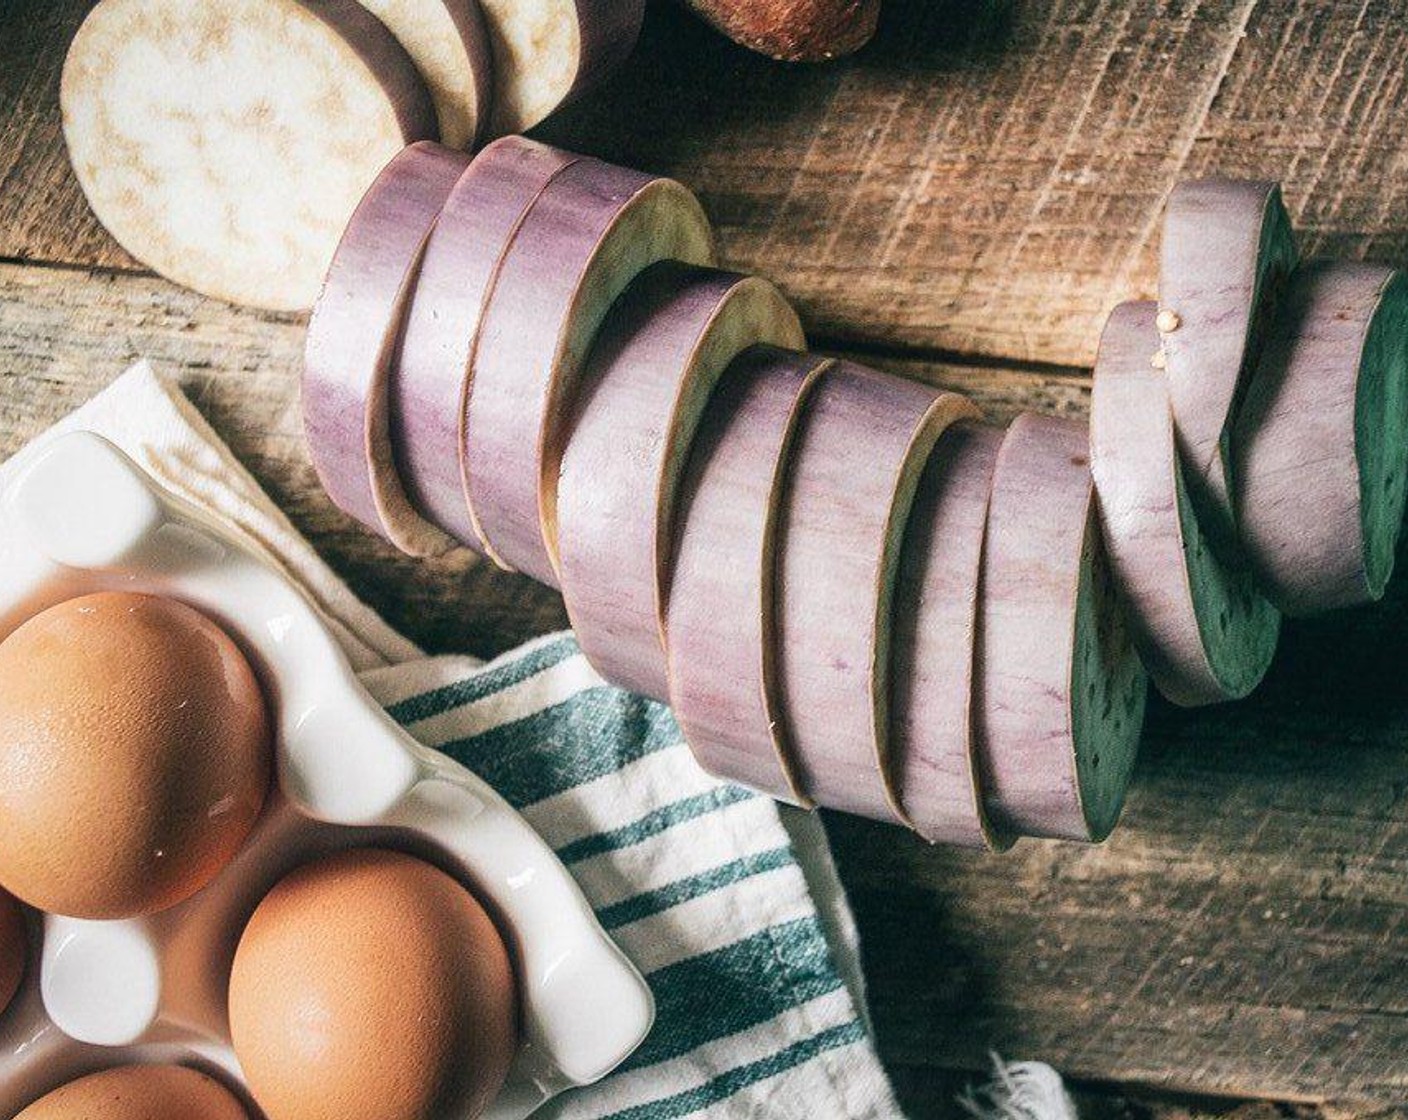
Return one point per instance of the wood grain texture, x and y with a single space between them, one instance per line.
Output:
65 333
43 214
986 177
1243 934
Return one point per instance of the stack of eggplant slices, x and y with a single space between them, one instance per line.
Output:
852 591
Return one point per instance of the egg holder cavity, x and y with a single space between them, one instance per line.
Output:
82 517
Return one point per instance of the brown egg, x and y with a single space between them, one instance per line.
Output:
139 1093
135 755
372 986
13 945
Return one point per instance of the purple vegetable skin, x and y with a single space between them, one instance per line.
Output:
861 445
1059 690
935 623
1227 252
1204 631
721 623
430 385
352 340
1321 443
609 31
662 350
468 18
590 233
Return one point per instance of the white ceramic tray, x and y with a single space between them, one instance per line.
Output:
82 517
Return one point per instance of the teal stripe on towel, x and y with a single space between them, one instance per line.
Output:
437 702
720 993
595 733
728 1084
653 823
696 886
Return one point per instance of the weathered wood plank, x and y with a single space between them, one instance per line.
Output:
986 178
1243 934
991 185
43 215
64 333
936 1095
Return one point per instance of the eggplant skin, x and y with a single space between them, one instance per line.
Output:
794 30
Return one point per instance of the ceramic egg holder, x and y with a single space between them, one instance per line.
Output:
82 517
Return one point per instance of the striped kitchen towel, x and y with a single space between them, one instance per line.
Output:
731 908
697 880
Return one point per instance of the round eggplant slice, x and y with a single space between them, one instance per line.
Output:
352 340
861 446
549 52
1322 443
1228 252
1204 630
430 384
663 349
590 233
935 633
722 619
227 145
1059 689
449 44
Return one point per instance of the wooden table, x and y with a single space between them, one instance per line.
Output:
960 203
